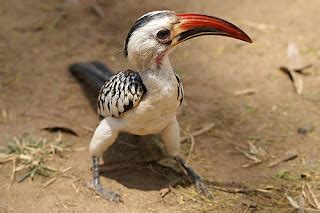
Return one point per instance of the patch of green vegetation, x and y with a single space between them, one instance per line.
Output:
286 175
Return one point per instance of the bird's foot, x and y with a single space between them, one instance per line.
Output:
108 195
195 178
203 189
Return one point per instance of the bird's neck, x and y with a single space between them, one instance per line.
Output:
156 64
159 75
160 79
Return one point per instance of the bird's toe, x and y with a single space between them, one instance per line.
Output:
203 189
111 196
108 195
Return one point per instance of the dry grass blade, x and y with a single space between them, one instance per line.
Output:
75 188
313 196
30 157
292 202
65 170
296 80
252 148
299 207
13 172
251 157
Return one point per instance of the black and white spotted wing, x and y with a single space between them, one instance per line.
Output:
121 93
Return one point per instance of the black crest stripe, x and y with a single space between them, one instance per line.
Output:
140 23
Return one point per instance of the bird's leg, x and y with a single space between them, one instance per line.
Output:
171 139
109 195
195 178
103 137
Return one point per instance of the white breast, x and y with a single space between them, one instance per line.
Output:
157 107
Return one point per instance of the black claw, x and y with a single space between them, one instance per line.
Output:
195 178
203 189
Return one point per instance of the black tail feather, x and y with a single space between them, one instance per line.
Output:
103 68
94 74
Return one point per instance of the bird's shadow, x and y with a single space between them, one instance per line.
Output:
133 162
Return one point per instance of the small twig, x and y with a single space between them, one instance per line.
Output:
242 191
46 184
198 132
290 155
191 149
164 191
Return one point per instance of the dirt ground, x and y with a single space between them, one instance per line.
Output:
38 40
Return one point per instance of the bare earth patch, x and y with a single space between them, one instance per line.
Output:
260 154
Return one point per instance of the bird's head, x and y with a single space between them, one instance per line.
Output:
154 34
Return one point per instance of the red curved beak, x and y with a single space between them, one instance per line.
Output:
194 25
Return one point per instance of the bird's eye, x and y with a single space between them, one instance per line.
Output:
163 34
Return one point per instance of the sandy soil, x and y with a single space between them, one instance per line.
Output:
39 41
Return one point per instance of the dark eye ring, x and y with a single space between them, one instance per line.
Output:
163 34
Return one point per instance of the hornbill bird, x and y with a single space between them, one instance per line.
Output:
145 100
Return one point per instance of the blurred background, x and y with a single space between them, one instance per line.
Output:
262 98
